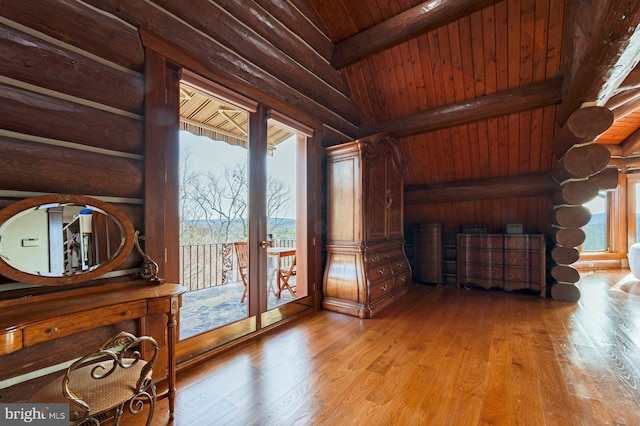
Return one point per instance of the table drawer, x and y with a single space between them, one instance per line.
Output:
81 321
10 341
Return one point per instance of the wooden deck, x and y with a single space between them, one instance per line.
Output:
439 356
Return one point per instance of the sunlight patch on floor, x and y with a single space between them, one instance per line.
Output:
628 284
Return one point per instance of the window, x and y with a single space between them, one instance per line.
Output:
597 230
637 209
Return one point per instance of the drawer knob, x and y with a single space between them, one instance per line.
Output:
381 271
127 313
384 287
52 330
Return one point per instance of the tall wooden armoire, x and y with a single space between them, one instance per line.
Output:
367 268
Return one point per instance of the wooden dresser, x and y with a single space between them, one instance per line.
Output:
39 334
367 268
507 261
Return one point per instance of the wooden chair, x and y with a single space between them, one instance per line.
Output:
284 275
97 386
242 257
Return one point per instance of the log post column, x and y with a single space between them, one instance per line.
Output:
580 160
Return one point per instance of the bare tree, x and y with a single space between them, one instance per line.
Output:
219 203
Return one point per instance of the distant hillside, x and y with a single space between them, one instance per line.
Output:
596 233
203 231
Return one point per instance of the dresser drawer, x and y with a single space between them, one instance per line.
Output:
401 278
522 258
379 289
81 321
399 265
373 258
376 272
484 256
472 271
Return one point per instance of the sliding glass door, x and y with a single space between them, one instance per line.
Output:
242 216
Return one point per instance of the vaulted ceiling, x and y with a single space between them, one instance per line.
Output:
477 89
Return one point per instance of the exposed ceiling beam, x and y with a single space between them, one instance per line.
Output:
623 97
613 53
418 20
632 81
480 189
631 144
494 105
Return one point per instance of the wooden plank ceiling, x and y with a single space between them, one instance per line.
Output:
501 61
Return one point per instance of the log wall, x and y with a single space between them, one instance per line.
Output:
72 86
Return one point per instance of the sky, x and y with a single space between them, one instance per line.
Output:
207 154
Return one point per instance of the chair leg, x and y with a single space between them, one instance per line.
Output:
118 414
244 294
284 283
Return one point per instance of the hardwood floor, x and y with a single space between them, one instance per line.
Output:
438 356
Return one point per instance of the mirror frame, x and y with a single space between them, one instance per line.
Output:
27 278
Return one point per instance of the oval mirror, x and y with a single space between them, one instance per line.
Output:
62 239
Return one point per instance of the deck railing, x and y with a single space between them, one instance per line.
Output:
210 265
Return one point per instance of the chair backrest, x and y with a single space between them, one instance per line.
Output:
292 268
242 254
121 352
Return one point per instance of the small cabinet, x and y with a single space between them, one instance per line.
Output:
507 261
428 250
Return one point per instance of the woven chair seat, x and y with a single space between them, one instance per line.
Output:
104 381
101 395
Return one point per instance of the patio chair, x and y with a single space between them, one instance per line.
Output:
284 275
98 386
242 256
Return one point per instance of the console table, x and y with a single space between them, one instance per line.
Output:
40 335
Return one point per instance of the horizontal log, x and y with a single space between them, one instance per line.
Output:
631 144
584 124
570 217
581 162
607 179
632 81
480 189
31 60
34 114
564 273
575 193
523 98
294 12
565 292
82 26
599 65
625 165
280 78
409 24
265 88
567 237
625 110
622 97
564 255
275 50
36 167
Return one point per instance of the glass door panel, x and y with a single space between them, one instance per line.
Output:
243 209
286 221
213 201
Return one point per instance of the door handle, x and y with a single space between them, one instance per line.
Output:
265 244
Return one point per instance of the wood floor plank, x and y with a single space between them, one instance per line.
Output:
439 356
